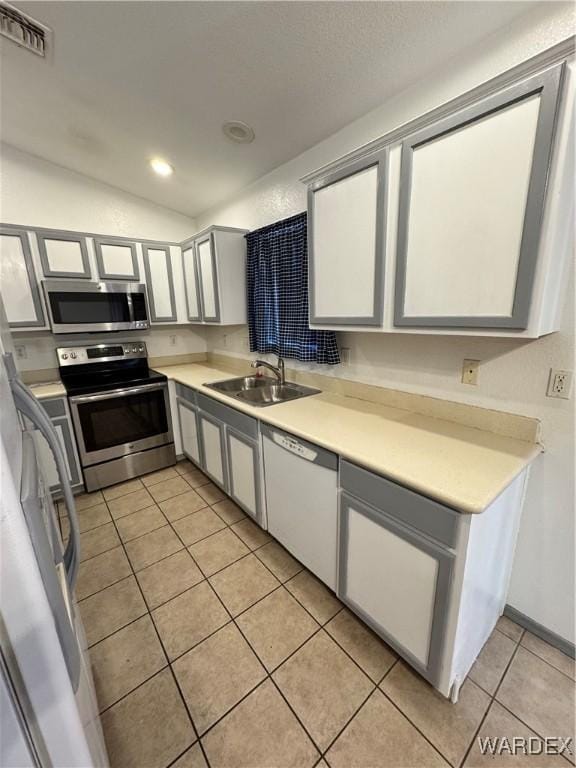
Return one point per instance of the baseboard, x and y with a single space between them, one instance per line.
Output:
537 629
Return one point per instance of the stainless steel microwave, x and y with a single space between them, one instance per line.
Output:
78 306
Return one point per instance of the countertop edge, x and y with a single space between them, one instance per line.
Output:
458 504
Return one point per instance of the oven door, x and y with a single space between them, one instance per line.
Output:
80 307
113 424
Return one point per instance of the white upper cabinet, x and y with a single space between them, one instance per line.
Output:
459 224
214 268
191 285
63 254
208 279
345 244
159 282
116 259
18 282
472 193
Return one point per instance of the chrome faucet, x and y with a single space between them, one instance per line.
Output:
277 370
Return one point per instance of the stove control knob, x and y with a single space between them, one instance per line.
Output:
64 356
73 355
140 349
134 349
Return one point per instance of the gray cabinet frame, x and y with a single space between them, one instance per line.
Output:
253 445
217 423
197 243
70 237
189 405
154 318
192 247
445 559
379 159
548 85
102 273
56 410
39 319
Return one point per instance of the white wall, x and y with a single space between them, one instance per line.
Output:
37 193
513 374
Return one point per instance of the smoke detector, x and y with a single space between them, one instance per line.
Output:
23 30
238 131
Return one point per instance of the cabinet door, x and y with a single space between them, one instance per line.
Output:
208 275
346 223
63 254
191 286
65 435
187 415
213 448
397 581
472 193
159 283
243 472
18 284
116 259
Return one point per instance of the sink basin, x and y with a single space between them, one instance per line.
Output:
261 390
274 393
241 384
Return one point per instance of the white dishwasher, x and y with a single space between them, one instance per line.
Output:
301 482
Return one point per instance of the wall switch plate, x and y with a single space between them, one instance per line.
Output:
559 384
21 352
470 372
345 355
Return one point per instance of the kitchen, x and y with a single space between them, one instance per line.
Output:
361 553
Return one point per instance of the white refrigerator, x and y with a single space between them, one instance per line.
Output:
48 711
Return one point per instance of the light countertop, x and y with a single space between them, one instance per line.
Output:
49 389
463 467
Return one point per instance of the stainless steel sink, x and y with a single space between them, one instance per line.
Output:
241 384
261 391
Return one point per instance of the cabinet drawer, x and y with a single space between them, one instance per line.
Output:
244 424
422 514
186 393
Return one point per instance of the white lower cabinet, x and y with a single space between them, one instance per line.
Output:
58 412
243 471
397 580
188 420
213 448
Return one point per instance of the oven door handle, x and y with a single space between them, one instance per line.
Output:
117 392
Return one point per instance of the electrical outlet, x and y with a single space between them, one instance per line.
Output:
560 384
172 340
345 355
21 352
470 372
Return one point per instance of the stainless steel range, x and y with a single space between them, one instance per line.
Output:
120 409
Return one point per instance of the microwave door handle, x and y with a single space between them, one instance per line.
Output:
27 404
130 306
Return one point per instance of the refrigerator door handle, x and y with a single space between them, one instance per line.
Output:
28 405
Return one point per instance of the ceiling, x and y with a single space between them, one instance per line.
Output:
130 80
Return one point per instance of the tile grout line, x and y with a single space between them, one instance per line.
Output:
233 620
169 665
376 686
490 704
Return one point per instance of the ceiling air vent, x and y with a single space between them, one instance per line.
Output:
23 30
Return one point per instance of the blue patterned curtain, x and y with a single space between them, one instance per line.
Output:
277 280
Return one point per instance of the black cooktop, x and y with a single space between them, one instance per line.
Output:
91 378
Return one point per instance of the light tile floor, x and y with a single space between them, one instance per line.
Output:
211 645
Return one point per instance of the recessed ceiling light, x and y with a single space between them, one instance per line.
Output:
238 131
161 167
